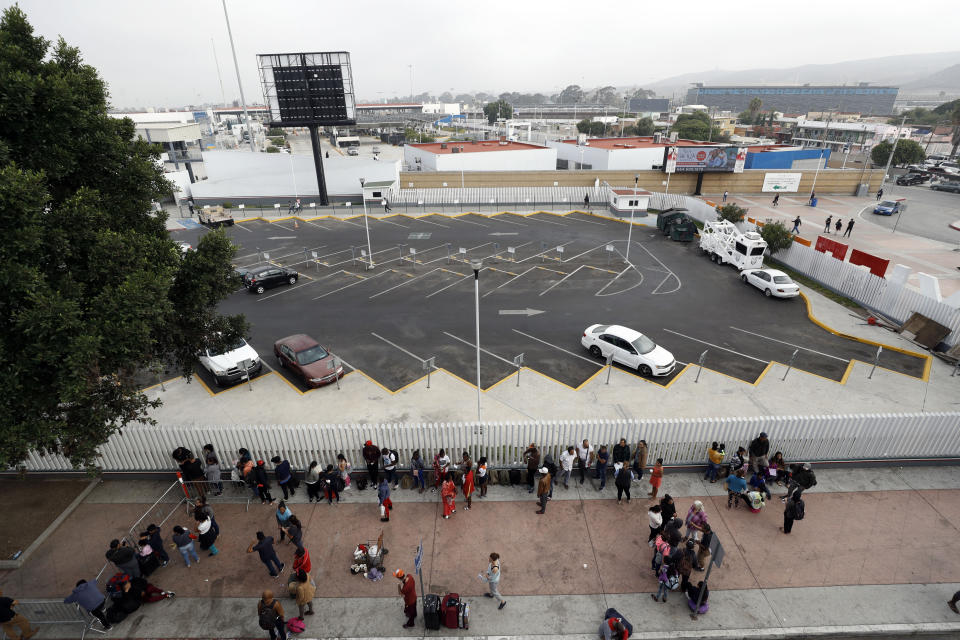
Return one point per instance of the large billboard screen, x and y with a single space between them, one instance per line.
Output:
308 88
706 159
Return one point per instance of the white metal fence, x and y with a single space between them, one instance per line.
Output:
676 440
525 197
895 301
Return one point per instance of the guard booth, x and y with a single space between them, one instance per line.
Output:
630 201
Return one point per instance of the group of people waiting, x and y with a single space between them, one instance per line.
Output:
677 553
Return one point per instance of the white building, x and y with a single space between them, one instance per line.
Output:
480 155
607 154
446 108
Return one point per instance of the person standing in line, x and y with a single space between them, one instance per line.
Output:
468 486
655 522
212 469
725 196
813 196
566 465
312 480
703 550
714 460
282 515
332 484
206 534
203 507
850 222
262 483
736 487
532 458
304 593
87 595
621 452
184 543
776 200
156 542
482 477
123 557
668 509
838 225
270 616
663 582
448 494
879 193
294 531
417 470
408 591
441 467
826 225
640 459
383 494
586 201
796 225
793 510
759 449
543 489
193 472
344 467
656 478
696 518
371 454
301 561
492 577
623 481
263 545
389 466
281 472
10 619
603 459
584 458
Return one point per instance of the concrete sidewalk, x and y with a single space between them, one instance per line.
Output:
878 547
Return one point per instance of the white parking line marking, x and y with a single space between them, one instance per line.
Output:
668 269
509 281
396 224
295 287
316 225
473 346
790 344
240 226
430 295
586 252
560 281
575 355
715 346
431 222
548 250
404 283
559 224
616 277
500 218
352 284
396 346
460 219
277 224
582 220
356 224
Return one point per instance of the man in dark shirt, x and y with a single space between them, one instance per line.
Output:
264 546
124 557
10 619
371 454
759 449
621 452
532 457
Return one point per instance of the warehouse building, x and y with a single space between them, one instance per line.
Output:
478 155
862 98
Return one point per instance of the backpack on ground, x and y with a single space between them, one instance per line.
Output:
361 484
798 509
114 587
295 625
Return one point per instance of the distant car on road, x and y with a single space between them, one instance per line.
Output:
259 279
628 347
888 207
772 282
912 179
953 187
305 358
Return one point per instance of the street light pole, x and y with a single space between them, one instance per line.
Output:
886 169
633 207
819 162
477 265
366 224
236 66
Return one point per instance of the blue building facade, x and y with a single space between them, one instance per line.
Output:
783 159
863 99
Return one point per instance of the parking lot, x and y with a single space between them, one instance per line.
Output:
544 279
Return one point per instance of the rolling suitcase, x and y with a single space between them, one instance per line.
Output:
450 611
463 615
613 613
431 611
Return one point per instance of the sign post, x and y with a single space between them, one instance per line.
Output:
876 361
418 567
716 558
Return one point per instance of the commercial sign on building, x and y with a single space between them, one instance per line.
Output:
706 159
670 164
789 182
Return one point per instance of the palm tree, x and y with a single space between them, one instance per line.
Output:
755 104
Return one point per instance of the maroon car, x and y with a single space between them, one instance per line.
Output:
304 356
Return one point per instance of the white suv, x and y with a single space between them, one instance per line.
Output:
225 366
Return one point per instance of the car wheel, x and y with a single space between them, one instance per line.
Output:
259 289
767 292
293 280
744 278
645 370
595 352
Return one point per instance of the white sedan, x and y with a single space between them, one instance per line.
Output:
772 282
628 347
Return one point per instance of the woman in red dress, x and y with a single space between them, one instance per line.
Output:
447 493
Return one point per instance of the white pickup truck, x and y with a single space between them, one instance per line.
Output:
226 367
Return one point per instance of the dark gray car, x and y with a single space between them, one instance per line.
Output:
259 279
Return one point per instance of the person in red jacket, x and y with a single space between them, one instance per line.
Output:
468 487
301 560
408 591
447 493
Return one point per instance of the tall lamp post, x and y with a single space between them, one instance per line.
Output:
886 170
477 265
366 223
813 188
633 207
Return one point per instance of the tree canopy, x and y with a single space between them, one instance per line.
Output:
498 109
908 152
777 236
697 126
93 291
732 212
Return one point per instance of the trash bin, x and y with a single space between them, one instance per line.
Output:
669 217
813 202
683 231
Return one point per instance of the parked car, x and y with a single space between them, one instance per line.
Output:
259 279
353 151
224 365
628 347
946 186
184 247
888 207
305 358
772 282
912 179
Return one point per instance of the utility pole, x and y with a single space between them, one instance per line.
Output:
236 66
892 151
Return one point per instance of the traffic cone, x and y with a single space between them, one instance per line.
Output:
296 225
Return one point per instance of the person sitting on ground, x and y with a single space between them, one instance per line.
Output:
137 591
758 481
698 592
777 471
754 500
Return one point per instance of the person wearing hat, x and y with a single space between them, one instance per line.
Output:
408 591
543 489
371 454
759 449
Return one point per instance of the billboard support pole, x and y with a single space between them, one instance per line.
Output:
699 184
318 165
236 66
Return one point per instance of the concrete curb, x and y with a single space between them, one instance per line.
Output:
16 564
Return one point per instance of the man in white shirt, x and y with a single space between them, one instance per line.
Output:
584 457
566 465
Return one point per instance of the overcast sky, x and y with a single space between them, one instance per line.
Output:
161 53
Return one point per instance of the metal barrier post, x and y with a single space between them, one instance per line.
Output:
518 363
428 365
876 361
790 364
609 366
703 356
400 262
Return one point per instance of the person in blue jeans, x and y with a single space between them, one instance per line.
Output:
603 458
181 538
736 487
268 556
416 464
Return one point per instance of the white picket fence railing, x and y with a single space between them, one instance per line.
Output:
677 440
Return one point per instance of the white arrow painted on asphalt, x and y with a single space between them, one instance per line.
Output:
520 312
282 238
505 233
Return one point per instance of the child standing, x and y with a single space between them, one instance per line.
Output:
656 479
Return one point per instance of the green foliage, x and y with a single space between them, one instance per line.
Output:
227 205
755 105
947 108
590 127
498 109
272 149
732 212
745 117
413 135
776 235
692 126
275 131
908 152
644 127
278 141
93 290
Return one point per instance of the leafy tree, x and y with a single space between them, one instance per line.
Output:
732 212
908 152
573 94
464 98
272 149
754 107
692 126
275 131
498 109
644 93
607 95
93 290
446 96
590 127
745 117
947 108
644 127
417 136
777 236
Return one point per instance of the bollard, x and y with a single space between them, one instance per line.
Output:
400 262
518 363
609 366
876 361
790 364
703 356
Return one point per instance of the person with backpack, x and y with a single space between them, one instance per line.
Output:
666 577
284 476
206 533
270 616
262 483
801 475
794 510
390 459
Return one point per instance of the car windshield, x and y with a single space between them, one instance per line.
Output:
643 344
311 355
230 347
600 328
887 203
782 280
